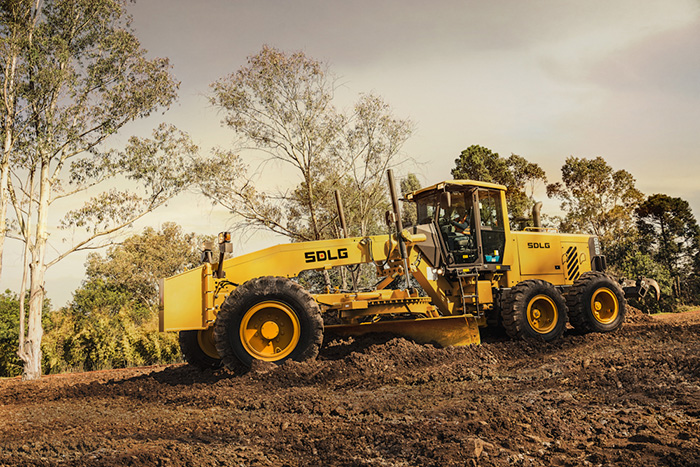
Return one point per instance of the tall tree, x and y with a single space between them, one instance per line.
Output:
155 169
17 24
86 76
597 200
282 104
369 144
515 172
670 233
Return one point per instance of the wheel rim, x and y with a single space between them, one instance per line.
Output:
604 305
542 314
270 331
205 339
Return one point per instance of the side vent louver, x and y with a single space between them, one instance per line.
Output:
572 264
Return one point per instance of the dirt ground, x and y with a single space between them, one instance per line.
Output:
628 398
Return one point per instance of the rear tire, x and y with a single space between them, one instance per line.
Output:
268 318
534 309
596 303
199 349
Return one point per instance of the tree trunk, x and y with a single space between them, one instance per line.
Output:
31 354
7 130
35 332
4 202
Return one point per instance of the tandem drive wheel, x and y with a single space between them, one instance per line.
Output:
534 308
596 303
268 318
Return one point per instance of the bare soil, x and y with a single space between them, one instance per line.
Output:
628 398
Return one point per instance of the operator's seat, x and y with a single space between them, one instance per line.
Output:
461 245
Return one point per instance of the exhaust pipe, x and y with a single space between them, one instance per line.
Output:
536 222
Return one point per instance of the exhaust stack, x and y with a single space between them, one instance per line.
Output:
536 222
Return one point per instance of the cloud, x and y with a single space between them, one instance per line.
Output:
667 63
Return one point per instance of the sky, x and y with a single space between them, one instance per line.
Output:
545 79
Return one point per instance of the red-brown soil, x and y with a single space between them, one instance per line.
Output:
628 398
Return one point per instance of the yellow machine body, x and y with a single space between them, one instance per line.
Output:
464 268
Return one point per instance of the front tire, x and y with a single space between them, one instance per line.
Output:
270 319
596 303
534 309
199 349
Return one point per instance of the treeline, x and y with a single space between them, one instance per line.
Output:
112 320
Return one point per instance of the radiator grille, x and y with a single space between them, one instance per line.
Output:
572 263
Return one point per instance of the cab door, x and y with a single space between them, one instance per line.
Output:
457 223
491 225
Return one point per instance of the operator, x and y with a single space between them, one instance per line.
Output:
461 223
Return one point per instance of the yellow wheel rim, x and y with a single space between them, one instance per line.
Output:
270 331
205 339
604 305
542 314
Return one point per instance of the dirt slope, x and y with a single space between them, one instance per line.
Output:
629 398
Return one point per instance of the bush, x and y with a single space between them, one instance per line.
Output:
105 340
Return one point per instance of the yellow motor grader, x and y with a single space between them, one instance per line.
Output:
474 272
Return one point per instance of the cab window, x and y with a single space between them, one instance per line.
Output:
425 208
490 209
493 236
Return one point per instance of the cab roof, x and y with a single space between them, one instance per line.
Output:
454 185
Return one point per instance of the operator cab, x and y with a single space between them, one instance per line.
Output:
467 219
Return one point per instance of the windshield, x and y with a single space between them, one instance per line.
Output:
456 224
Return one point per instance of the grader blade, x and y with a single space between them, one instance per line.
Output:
445 331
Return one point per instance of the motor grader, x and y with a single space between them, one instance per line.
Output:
473 272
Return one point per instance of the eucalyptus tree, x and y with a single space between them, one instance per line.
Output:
84 76
282 104
515 172
17 24
598 200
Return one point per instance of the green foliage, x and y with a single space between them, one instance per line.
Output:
669 233
598 200
515 172
112 321
10 364
634 264
408 210
135 266
103 339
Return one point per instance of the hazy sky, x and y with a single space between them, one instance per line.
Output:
543 79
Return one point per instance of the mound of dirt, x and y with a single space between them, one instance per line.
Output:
630 398
635 315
